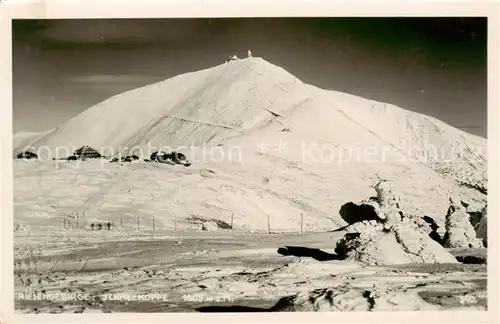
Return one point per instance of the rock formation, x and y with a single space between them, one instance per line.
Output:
482 227
383 208
475 212
459 231
27 155
400 245
128 158
346 298
172 157
389 204
392 238
433 227
367 210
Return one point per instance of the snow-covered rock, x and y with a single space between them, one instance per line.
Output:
401 244
482 227
392 237
347 298
389 204
459 231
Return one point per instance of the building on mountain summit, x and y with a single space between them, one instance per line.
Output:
232 58
249 53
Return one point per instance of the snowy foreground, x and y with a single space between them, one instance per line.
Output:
184 272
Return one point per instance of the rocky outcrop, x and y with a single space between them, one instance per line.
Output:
128 158
383 208
402 244
390 211
346 298
392 237
459 231
366 210
172 157
474 210
27 155
482 227
432 228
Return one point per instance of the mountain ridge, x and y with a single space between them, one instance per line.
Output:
301 148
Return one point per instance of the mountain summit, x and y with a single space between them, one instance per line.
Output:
192 108
285 131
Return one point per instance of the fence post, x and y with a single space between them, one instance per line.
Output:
138 222
121 224
77 220
301 222
175 223
268 225
232 217
153 225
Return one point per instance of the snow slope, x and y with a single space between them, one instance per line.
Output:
22 140
229 120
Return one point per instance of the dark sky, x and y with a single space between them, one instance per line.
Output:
435 66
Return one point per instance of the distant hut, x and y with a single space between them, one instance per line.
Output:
172 157
27 155
86 152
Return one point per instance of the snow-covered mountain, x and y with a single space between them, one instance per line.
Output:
276 147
